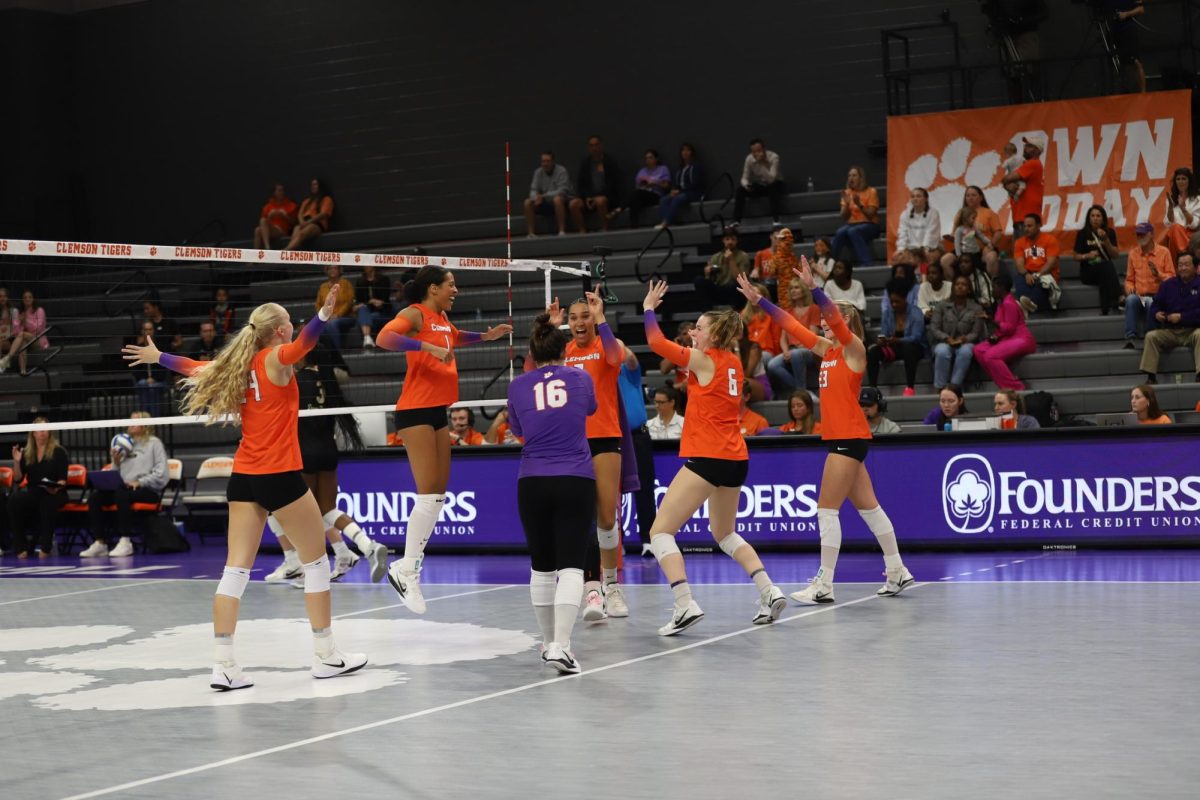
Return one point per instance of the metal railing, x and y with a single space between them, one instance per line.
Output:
654 275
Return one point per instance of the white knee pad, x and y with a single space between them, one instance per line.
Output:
275 527
877 520
316 576
831 528
609 538
570 587
541 588
731 543
233 582
331 517
663 545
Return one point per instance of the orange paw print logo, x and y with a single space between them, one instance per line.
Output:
947 176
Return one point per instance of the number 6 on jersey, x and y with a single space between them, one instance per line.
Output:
550 395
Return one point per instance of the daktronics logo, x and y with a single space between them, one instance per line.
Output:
974 496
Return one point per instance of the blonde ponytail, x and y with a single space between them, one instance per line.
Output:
725 328
220 388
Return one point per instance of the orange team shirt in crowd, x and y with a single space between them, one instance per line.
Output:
790 426
308 208
394 440
502 434
1030 201
1140 279
809 317
752 423
1037 252
841 415
345 301
280 224
763 331
1163 420
604 424
866 197
713 429
762 263
429 382
270 413
472 437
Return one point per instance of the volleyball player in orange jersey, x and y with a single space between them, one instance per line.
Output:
424 333
845 430
717 459
252 378
595 349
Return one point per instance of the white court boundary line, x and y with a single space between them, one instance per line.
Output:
458 704
89 591
431 599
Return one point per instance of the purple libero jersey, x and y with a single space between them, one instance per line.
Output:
549 406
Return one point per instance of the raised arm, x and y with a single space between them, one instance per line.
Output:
492 334
148 353
614 349
789 324
677 354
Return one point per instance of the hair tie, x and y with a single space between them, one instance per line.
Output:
252 326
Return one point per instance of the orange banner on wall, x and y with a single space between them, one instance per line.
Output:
1118 152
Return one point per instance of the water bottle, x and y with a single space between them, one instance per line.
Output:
947 426
811 186
478 315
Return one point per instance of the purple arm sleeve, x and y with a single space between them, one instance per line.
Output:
292 352
180 364
612 350
468 337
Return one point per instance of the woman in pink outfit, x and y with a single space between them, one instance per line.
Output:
31 323
1010 341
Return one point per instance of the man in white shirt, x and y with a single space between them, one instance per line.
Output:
667 424
761 177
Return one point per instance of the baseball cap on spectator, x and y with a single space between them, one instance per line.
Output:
730 230
870 396
1143 228
784 233
1036 140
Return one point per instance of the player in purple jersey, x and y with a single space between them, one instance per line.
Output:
556 485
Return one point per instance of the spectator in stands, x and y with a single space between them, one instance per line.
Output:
686 187
933 290
919 235
343 312
789 369
901 336
679 375
1095 249
372 303
860 213
1149 264
668 423
600 186
166 330
905 276
1010 341
1031 172
42 463
951 404
1010 407
1176 310
981 282
650 185
969 239
718 285
1183 212
843 286
276 220
780 267
462 428
761 177
550 194
1143 401
499 431
822 262
761 272
9 326
754 367
989 226
874 406
30 330
751 421
144 472
316 210
954 329
760 343
151 382
221 312
802 419
1036 257
206 347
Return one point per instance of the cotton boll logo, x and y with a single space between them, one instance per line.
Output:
968 493
948 176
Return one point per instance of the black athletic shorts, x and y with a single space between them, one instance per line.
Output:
609 444
433 416
319 459
272 491
558 514
720 472
854 448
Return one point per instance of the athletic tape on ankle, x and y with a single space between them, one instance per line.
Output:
316 576
233 582
570 587
541 587
275 527
831 528
331 517
877 520
663 545
609 538
730 544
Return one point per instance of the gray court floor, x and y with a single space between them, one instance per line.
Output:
1051 690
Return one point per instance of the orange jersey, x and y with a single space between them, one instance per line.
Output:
714 427
430 382
841 415
472 436
753 423
792 427
269 415
604 424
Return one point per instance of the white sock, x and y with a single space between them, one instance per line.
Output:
566 604
591 586
420 527
357 535
761 580
541 594
291 558
224 648
323 642
610 575
339 549
893 562
683 593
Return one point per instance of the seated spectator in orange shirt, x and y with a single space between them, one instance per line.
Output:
801 415
462 428
343 318
1036 257
277 218
1144 403
394 440
789 369
1148 265
499 431
315 213
752 422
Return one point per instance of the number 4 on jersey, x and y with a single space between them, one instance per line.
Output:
550 395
